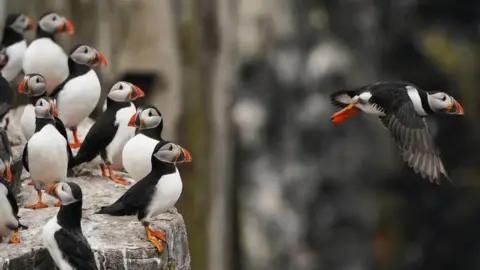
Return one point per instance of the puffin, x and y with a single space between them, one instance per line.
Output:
155 193
62 235
110 132
402 108
9 220
7 94
15 25
78 95
46 154
6 155
138 150
44 56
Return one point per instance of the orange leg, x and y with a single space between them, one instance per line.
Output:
345 113
158 234
76 141
39 204
58 204
104 170
14 239
119 180
155 241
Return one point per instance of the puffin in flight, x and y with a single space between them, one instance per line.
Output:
44 56
402 107
46 154
7 94
138 150
9 220
155 193
15 25
110 132
78 95
62 235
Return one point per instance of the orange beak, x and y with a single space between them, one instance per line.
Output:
140 92
455 108
55 110
67 27
52 190
9 172
99 59
187 156
131 122
31 24
21 87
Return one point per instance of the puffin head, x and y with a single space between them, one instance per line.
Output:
3 56
19 22
86 55
169 152
147 117
66 192
46 107
440 102
33 84
53 23
125 91
5 169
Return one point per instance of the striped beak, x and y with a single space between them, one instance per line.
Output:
455 108
52 190
184 156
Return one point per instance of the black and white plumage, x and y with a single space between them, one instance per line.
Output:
62 235
156 192
44 56
13 40
46 154
9 220
7 94
138 150
78 95
6 155
402 107
111 131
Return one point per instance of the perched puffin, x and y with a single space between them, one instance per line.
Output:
7 94
44 56
78 95
46 154
6 155
156 192
138 150
9 220
62 235
401 107
111 131
15 25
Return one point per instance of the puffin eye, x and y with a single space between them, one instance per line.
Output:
37 81
121 87
444 98
54 18
86 50
150 114
170 148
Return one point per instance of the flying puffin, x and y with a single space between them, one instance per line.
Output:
111 131
15 25
9 220
7 94
138 150
401 107
6 155
62 235
46 154
44 56
156 192
78 95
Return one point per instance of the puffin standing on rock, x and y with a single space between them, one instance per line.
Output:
402 107
46 154
44 56
156 192
15 25
138 150
78 95
110 132
62 235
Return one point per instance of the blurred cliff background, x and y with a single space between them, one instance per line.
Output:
244 85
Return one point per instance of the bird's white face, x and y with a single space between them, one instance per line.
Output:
440 102
63 192
22 24
125 91
148 118
173 153
46 108
33 85
54 23
86 55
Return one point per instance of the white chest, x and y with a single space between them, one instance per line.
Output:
47 155
124 133
16 54
48 235
136 156
27 121
78 98
47 58
167 193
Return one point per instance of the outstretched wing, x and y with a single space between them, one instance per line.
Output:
415 141
75 249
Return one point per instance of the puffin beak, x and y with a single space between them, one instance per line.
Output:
23 86
67 27
55 110
184 156
9 171
31 24
131 122
455 108
139 91
98 59
52 190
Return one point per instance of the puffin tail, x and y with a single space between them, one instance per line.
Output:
116 209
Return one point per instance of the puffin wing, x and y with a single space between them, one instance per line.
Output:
6 143
76 249
25 157
61 128
7 96
12 200
415 141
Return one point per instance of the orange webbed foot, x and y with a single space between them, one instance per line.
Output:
152 239
37 205
120 180
104 170
15 239
158 234
75 145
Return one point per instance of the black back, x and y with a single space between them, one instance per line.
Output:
10 36
7 97
5 148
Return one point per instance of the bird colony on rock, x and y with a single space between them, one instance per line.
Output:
63 90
